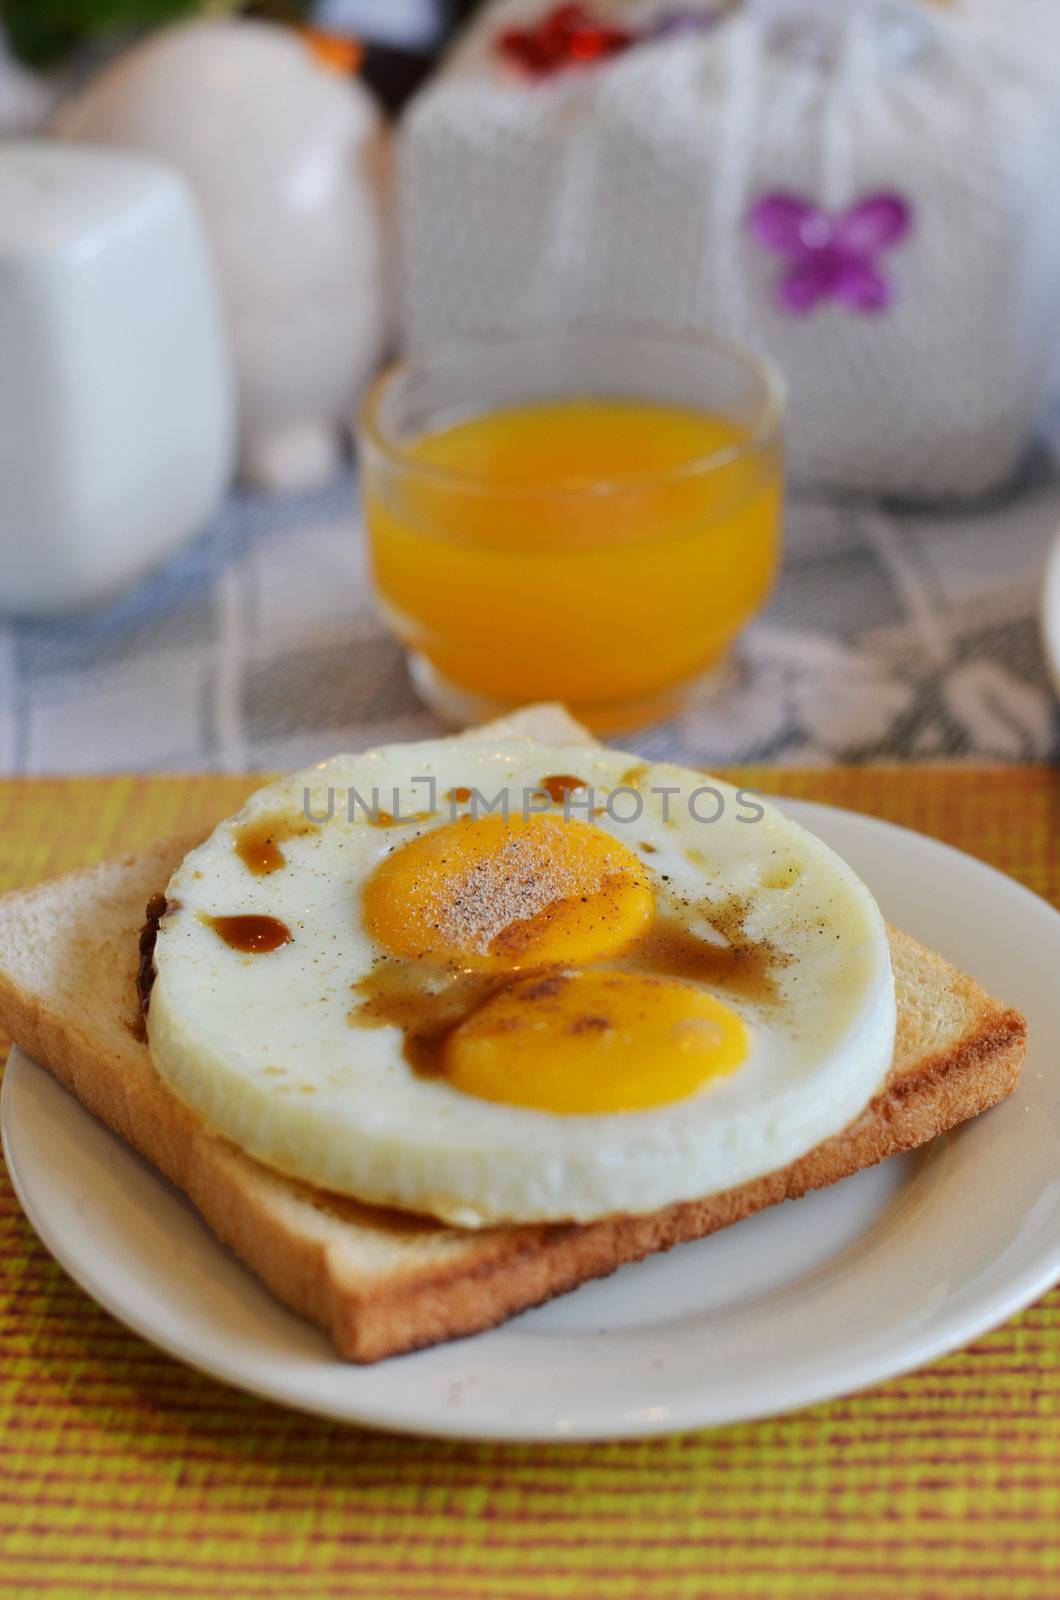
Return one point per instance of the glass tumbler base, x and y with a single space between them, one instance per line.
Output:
465 708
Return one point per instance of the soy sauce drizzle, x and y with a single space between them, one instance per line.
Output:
252 935
560 784
429 1000
257 842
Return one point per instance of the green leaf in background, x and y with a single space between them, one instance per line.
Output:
42 32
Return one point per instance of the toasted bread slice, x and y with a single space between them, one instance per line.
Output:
384 1282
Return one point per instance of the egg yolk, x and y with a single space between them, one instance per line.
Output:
595 1042
496 893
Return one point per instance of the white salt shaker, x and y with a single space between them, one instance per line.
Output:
117 418
287 160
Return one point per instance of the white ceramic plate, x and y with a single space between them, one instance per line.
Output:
845 1288
1051 614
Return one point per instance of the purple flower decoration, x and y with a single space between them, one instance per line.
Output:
830 257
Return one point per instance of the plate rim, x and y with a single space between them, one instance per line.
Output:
1026 1286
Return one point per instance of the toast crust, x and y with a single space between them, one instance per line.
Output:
381 1282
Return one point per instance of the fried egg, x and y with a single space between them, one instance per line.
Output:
501 981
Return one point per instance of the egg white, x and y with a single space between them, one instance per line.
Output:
263 1046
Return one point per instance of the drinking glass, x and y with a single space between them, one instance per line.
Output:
585 514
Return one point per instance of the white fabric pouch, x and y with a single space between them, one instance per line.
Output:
864 191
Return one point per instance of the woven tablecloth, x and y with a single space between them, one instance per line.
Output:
122 1473
895 634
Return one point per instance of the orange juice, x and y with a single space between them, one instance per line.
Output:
597 551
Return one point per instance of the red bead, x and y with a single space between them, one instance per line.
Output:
568 35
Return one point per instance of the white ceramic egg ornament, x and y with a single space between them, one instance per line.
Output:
117 415
287 160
